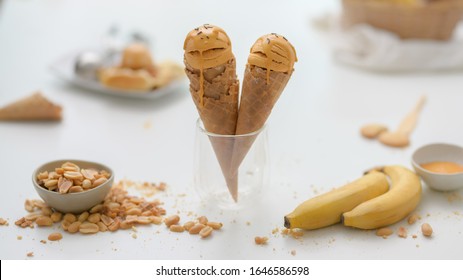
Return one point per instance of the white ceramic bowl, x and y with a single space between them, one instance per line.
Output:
73 202
439 152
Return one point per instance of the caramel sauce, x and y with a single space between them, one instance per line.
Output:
445 167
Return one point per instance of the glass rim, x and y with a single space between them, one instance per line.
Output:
200 126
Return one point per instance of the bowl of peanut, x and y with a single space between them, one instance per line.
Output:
72 186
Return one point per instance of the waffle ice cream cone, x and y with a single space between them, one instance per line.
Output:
32 108
211 69
269 68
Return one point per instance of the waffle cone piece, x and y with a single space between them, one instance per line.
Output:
211 69
32 108
269 68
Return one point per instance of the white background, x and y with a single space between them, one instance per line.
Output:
313 132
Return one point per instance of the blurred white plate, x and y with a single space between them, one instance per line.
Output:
64 69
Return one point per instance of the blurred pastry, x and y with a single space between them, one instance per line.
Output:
126 78
423 19
32 108
137 72
136 56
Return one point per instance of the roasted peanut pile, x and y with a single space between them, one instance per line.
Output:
119 210
70 178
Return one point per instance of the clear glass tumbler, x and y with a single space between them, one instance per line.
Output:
230 170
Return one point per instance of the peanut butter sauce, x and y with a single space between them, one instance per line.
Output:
274 53
205 47
445 167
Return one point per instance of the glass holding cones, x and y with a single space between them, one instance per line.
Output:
218 180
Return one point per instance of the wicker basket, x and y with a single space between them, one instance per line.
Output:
428 20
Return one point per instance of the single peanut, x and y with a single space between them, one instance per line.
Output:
94 218
413 218
75 189
215 225
74 227
86 184
83 217
99 182
65 225
402 232
260 240
96 208
155 220
143 220
426 229
46 211
56 217
44 221
176 228
55 236
189 225
203 220
172 220
196 228
102 227
70 217
87 227
73 175
384 232
205 232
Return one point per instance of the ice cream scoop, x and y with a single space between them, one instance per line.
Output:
207 46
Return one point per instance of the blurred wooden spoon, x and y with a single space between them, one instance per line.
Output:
401 137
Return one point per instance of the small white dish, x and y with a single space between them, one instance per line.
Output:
439 152
64 68
73 202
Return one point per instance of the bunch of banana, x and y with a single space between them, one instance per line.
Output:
366 203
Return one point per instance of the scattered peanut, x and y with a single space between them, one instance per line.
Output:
3 222
196 228
44 221
56 217
176 228
55 236
188 225
83 217
74 227
384 232
87 227
203 220
70 217
30 254
260 240
94 218
119 210
205 232
215 225
426 229
413 218
402 232
172 220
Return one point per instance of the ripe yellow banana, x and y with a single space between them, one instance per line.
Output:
391 207
326 209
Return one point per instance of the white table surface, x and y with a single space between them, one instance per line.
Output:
313 132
